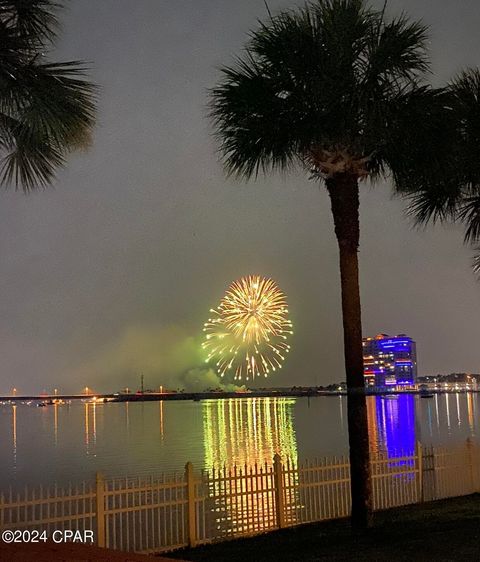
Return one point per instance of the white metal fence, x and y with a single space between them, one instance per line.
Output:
158 514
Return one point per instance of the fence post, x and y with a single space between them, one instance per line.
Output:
279 492
419 455
436 482
100 510
476 466
470 464
191 519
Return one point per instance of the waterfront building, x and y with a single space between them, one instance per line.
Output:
452 382
390 361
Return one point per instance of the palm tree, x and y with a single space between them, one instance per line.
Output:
340 90
46 108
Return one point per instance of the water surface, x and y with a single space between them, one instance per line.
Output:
71 442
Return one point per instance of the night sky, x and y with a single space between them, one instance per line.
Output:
113 271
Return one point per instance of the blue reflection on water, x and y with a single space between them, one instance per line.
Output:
396 426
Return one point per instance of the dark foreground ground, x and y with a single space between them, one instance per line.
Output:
447 530
68 552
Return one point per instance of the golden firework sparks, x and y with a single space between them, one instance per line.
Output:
248 333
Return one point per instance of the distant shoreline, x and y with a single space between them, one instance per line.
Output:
198 396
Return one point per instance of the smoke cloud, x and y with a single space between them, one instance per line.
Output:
166 356
198 379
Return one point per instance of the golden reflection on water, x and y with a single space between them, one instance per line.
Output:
161 418
458 409
241 439
87 425
90 433
470 407
14 436
248 432
372 423
127 418
55 423
437 415
447 403
342 419
94 422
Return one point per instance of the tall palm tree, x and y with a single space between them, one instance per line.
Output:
46 108
340 90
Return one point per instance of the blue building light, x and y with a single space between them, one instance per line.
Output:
397 356
396 428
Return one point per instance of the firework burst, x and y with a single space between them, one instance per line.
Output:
247 334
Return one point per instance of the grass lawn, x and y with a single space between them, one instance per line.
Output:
446 530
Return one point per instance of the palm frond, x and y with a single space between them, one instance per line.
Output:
47 109
420 152
476 261
321 78
469 214
437 204
247 112
465 103
61 103
34 21
398 53
32 162
460 135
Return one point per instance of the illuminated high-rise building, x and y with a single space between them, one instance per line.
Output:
390 361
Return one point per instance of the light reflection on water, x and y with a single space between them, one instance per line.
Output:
245 434
244 437
392 424
71 442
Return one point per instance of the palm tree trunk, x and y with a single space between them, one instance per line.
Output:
343 191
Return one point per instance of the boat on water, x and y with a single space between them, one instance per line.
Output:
52 402
426 395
